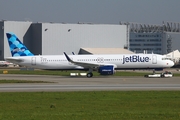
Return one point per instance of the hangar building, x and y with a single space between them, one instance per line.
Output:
56 38
159 39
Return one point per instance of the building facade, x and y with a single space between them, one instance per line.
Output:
22 29
160 39
56 38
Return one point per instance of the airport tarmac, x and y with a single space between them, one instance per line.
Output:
104 83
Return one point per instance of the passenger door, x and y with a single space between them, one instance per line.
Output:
154 59
33 61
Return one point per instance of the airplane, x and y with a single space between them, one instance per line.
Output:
5 64
105 64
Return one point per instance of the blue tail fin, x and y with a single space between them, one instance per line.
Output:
17 48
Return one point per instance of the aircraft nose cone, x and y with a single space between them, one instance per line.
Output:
171 63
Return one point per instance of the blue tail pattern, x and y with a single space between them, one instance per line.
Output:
17 48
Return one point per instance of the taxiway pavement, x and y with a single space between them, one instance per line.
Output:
62 83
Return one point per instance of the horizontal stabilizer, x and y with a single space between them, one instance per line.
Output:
14 60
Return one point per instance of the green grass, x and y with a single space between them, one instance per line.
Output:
38 72
67 73
113 105
21 81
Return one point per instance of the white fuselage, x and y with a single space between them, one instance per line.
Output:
121 61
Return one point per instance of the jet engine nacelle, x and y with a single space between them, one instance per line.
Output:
106 70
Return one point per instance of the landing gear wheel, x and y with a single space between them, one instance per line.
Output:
89 75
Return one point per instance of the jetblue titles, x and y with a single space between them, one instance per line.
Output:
135 58
19 50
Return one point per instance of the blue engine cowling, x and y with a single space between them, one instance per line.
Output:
158 69
106 70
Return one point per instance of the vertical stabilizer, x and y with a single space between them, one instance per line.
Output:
17 48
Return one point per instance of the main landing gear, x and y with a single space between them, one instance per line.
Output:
89 75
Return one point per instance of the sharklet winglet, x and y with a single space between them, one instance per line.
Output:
67 57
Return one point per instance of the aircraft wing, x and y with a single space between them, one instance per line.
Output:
86 65
14 60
